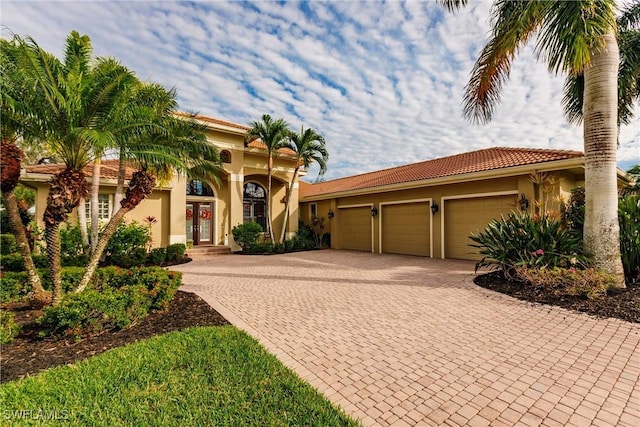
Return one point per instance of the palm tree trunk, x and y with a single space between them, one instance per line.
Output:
95 203
52 235
288 204
22 242
120 193
101 245
600 108
269 222
82 223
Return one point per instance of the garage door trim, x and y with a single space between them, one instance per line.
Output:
402 202
364 205
464 196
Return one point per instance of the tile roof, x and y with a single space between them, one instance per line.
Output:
213 120
108 169
474 161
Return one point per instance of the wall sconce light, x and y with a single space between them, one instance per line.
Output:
523 202
330 214
434 208
374 211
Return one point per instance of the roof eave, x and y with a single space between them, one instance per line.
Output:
452 179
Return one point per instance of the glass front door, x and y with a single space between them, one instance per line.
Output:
199 221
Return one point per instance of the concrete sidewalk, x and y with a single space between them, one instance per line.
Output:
399 340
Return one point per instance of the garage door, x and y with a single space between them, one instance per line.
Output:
466 216
355 228
406 228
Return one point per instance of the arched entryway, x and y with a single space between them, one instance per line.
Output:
254 204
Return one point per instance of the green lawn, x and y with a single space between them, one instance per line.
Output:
213 376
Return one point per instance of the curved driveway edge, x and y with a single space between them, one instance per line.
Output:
399 340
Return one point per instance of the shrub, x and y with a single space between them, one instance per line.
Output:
589 283
74 261
71 241
129 241
13 286
8 327
524 240
246 234
14 262
629 218
317 228
7 244
175 252
260 248
117 298
157 256
573 211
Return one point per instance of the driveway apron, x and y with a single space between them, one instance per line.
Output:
403 341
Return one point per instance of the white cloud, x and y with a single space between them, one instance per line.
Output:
383 82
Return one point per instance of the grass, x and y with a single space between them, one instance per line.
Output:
200 376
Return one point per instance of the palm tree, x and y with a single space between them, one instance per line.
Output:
164 145
273 134
576 38
75 97
309 146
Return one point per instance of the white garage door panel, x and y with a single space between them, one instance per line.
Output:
466 216
406 228
355 228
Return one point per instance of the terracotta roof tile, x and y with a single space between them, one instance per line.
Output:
475 161
108 169
213 120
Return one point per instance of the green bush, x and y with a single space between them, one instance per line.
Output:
629 218
246 234
116 299
573 211
175 252
523 240
260 248
157 256
14 286
8 327
74 261
14 262
71 241
128 245
7 244
589 283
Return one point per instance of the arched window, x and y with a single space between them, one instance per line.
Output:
254 202
225 156
198 188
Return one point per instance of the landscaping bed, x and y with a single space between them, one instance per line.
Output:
622 304
28 354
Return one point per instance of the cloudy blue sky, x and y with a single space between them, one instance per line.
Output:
382 81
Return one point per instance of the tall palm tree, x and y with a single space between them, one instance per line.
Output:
164 145
573 38
273 134
75 96
16 122
309 146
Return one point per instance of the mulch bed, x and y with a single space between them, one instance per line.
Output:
28 355
622 304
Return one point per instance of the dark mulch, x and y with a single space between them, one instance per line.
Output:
622 304
27 354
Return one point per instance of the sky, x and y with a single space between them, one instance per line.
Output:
383 82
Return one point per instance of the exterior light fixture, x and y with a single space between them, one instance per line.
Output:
374 211
330 214
523 202
434 208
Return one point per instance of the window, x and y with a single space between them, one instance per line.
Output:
198 188
254 204
314 209
104 207
225 156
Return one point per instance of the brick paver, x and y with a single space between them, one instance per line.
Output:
398 340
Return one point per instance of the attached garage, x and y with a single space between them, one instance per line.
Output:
356 228
468 214
406 228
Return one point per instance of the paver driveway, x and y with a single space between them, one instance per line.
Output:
397 340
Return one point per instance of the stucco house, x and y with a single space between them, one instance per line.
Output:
430 208
193 211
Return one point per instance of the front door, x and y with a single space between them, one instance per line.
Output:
200 223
